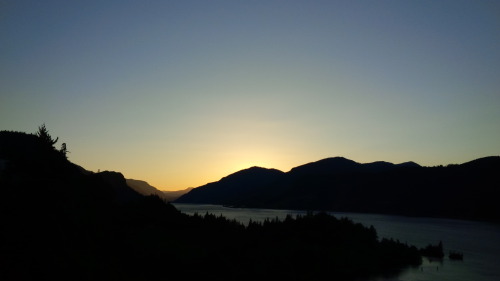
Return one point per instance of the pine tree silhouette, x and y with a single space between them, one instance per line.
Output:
45 137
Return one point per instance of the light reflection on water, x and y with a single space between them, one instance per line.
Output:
478 241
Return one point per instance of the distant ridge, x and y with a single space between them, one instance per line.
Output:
328 165
145 188
466 191
232 188
343 165
171 196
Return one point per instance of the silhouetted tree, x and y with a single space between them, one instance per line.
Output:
45 137
64 150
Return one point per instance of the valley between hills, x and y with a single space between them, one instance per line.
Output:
60 221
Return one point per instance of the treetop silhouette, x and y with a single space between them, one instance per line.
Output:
45 137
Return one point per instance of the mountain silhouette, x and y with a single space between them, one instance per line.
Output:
62 222
341 165
338 184
232 188
326 166
146 189
172 195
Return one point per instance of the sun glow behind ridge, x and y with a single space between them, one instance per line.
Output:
180 93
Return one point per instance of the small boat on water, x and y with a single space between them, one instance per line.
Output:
456 255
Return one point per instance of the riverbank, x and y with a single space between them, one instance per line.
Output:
478 241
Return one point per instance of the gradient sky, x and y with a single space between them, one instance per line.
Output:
181 93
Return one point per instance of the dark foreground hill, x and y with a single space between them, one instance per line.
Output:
467 191
60 222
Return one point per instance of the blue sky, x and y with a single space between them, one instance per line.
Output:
181 93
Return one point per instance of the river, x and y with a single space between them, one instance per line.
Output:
478 241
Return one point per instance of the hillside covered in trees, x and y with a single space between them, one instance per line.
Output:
61 222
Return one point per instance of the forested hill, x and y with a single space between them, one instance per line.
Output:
61 222
468 191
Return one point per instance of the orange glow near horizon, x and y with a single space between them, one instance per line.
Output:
184 167
183 95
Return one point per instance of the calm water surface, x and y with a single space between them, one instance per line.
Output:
478 241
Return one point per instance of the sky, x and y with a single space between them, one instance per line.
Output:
182 93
